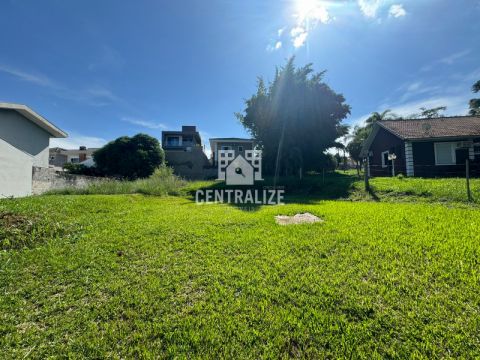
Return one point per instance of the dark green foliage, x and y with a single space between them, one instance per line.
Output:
475 103
432 113
80 169
297 117
130 157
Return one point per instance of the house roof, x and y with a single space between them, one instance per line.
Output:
35 118
425 129
445 127
231 139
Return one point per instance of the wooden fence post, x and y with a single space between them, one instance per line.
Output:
467 175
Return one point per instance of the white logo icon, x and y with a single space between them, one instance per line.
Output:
240 170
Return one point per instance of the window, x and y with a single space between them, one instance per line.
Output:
240 148
75 160
173 141
385 161
224 147
445 153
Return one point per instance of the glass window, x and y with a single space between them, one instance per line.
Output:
240 148
224 147
173 141
445 153
385 158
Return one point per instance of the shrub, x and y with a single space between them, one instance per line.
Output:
80 169
130 157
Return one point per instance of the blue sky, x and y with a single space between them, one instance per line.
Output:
102 69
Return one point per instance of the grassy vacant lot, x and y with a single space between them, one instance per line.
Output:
142 276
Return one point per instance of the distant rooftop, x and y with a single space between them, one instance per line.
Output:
415 129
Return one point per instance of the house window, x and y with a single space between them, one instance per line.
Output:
476 149
75 160
240 148
224 147
173 141
445 153
385 159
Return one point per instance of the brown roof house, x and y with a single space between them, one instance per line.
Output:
423 147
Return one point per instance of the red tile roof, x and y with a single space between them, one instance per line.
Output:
458 126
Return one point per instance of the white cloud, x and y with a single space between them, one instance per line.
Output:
397 11
451 59
75 140
300 40
297 31
94 95
306 10
278 45
280 32
144 123
321 14
299 36
369 8
37 79
456 105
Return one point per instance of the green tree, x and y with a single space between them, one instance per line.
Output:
297 112
475 103
130 157
376 116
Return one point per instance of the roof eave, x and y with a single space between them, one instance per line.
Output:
36 119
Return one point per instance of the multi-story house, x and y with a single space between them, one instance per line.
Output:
236 144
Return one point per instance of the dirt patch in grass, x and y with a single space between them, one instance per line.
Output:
21 230
305 218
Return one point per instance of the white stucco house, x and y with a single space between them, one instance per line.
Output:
24 143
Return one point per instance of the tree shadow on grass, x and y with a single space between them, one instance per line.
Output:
309 190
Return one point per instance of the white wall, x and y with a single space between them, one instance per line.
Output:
15 171
24 135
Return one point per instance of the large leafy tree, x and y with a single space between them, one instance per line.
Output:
475 103
294 119
130 157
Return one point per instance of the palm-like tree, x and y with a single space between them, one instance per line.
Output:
376 116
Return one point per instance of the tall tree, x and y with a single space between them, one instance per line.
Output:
130 157
297 112
475 103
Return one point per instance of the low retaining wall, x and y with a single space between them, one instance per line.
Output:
45 179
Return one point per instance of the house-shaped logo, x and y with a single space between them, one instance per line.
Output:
240 170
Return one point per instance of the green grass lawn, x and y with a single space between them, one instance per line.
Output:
132 276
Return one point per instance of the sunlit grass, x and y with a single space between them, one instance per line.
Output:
147 277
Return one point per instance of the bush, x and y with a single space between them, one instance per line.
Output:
80 169
130 157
